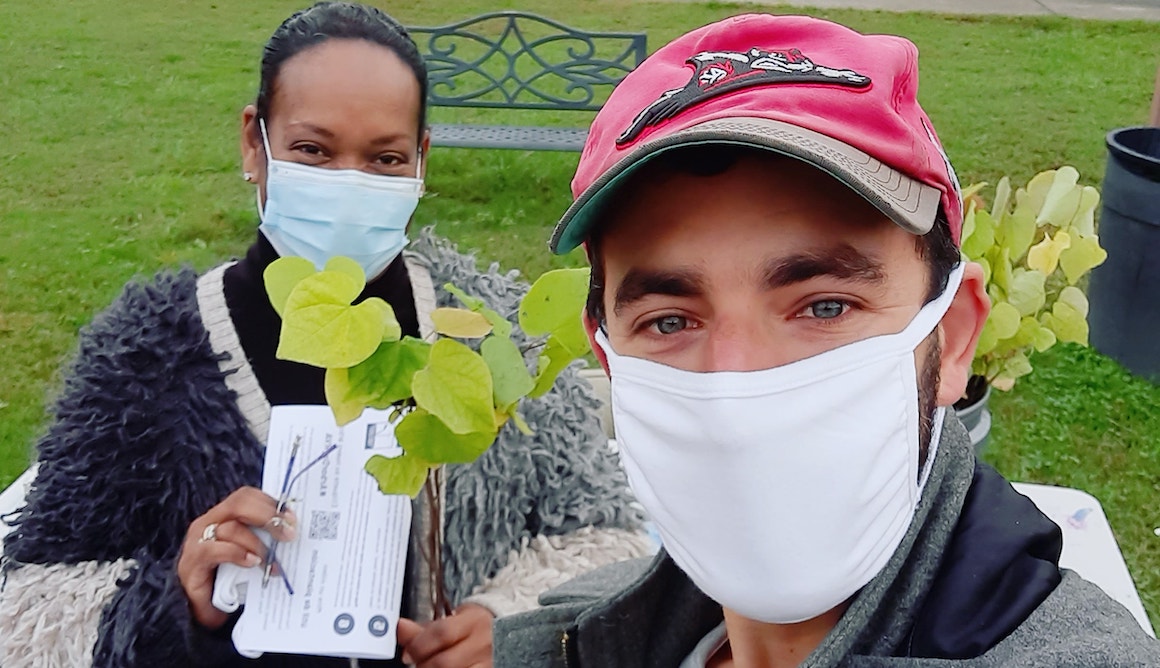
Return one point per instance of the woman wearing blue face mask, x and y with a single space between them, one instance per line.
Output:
147 475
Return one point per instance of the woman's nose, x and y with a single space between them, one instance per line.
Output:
347 162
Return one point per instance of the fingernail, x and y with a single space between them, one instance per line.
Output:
275 522
289 531
253 559
407 658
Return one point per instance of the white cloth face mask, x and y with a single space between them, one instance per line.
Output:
319 213
780 492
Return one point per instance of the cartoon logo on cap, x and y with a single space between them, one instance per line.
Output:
719 72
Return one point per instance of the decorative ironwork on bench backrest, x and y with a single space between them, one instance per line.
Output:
517 60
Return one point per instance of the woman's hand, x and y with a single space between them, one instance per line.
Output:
462 640
224 535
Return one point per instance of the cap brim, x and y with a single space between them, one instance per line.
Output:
908 202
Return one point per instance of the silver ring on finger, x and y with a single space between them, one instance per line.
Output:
210 533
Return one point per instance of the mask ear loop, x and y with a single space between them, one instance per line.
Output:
419 173
265 140
269 157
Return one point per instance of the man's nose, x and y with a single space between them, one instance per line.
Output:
743 346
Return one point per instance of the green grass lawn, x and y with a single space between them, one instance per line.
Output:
120 158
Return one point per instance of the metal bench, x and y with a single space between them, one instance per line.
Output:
520 61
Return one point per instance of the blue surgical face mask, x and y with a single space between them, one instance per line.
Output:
319 213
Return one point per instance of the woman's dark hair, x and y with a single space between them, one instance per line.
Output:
937 247
337 20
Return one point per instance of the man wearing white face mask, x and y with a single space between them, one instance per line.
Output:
778 297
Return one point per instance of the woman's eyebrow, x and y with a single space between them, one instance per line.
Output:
843 261
311 127
640 283
393 138
322 131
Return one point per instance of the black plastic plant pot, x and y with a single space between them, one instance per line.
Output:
976 417
1124 317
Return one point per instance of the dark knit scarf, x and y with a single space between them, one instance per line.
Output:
258 324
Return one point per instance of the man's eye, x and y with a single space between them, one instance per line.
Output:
670 324
826 309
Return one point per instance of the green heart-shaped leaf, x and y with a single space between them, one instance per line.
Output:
1068 317
1083 255
1014 367
424 435
321 328
404 474
1075 298
460 323
456 387
501 325
1035 194
1019 232
1001 270
1062 199
1044 256
1002 201
1005 318
1084 221
386 376
1027 293
343 401
281 276
348 267
982 234
554 305
554 358
510 377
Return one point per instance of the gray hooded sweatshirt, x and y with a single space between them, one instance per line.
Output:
975 582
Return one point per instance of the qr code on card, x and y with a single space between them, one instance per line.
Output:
323 525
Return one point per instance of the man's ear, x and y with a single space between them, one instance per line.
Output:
590 326
958 333
253 152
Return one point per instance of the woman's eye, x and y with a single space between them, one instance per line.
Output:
390 160
826 309
670 324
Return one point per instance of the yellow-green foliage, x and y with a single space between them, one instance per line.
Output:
1034 245
451 401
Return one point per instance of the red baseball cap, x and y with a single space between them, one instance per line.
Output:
803 87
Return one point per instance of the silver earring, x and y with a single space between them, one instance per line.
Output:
248 177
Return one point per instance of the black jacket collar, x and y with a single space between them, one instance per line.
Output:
258 325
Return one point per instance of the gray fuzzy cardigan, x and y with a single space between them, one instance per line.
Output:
161 417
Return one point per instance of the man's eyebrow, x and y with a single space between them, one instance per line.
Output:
843 261
639 283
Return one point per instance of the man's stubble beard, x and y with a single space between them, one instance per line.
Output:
927 396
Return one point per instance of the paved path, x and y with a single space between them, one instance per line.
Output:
1148 10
